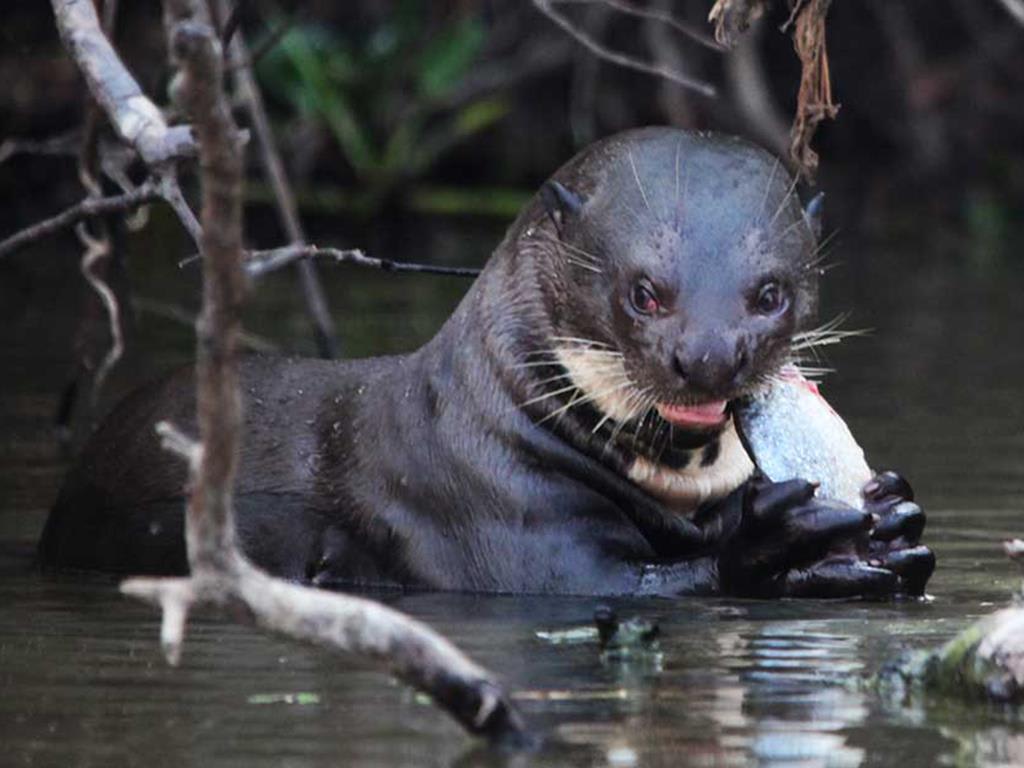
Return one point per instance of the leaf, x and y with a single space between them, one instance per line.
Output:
447 57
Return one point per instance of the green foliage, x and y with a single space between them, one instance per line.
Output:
391 98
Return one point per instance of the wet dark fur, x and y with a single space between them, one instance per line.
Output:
424 469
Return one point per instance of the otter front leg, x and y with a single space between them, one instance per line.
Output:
789 543
777 540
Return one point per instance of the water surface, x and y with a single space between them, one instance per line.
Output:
934 390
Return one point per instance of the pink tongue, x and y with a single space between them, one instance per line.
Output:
703 415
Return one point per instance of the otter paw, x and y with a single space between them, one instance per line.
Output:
913 566
786 528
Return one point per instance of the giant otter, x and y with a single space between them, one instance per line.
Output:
566 431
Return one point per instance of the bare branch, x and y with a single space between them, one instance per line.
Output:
220 573
181 316
177 442
175 597
135 118
264 46
665 18
170 193
96 250
621 59
734 17
91 206
409 648
259 263
284 198
1015 8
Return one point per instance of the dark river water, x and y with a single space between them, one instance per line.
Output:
935 391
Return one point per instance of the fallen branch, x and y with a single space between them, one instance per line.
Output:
410 649
220 574
621 59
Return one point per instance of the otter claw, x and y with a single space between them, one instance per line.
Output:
904 519
914 566
887 483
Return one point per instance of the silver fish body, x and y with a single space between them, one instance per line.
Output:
792 432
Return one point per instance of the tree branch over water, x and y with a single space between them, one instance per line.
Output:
220 574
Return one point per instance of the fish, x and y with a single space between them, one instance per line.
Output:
790 432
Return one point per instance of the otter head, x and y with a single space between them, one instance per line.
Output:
679 268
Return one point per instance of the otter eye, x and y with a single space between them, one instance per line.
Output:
771 299
643 299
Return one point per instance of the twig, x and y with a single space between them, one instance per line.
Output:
96 250
135 118
147 192
170 193
284 197
232 23
63 144
1015 8
259 263
265 45
665 18
734 17
181 316
621 59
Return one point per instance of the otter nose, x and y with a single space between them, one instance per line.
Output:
712 365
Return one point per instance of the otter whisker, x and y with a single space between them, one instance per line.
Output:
649 402
636 177
679 146
785 233
599 366
810 371
553 353
786 198
604 420
634 395
546 395
767 189
590 396
552 379
584 265
580 340
583 254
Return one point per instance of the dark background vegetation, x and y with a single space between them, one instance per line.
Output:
389 109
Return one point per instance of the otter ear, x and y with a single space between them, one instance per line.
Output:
813 214
559 202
